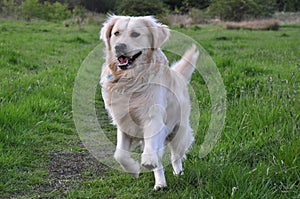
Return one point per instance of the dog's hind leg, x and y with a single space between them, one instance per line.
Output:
122 155
179 145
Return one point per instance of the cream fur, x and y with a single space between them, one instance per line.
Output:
149 101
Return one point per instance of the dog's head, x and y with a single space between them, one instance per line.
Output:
127 38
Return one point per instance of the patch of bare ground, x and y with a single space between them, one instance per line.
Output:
67 169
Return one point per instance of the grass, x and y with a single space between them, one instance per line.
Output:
257 155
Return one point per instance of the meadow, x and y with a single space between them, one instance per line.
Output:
257 155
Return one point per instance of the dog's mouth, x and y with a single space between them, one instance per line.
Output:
126 61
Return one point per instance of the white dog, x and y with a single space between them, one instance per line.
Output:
147 100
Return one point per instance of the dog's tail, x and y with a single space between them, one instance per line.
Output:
187 64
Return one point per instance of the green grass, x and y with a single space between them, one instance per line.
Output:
257 156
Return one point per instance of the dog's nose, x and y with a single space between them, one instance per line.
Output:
120 48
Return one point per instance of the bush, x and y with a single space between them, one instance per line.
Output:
32 9
199 16
79 12
56 11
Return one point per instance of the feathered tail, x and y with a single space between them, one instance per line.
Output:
187 64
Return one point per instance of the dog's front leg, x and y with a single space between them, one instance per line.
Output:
155 133
122 155
152 155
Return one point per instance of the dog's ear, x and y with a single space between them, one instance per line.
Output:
159 32
163 35
105 32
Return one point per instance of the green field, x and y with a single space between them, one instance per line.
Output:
257 155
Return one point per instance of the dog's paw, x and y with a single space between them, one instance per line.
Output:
159 187
180 173
149 161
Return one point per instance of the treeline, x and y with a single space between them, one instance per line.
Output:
234 10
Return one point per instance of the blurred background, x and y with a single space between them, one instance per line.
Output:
171 12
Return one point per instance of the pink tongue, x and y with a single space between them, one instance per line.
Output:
123 60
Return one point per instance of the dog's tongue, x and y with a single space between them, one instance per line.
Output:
123 60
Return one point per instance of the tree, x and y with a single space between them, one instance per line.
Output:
288 5
140 7
237 10
174 4
200 4
292 6
186 5
8 8
102 6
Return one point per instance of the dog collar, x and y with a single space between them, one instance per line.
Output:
109 77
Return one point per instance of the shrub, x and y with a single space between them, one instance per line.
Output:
199 16
79 12
33 9
56 11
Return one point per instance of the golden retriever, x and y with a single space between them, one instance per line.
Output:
147 100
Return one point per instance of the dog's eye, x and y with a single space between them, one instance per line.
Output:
135 34
117 33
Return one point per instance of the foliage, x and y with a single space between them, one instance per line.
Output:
56 11
33 9
100 6
8 8
140 7
183 7
292 6
199 16
199 4
173 4
80 12
265 8
288 5
237 10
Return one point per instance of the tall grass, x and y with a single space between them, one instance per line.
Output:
270 24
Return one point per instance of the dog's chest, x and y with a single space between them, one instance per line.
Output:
128 111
